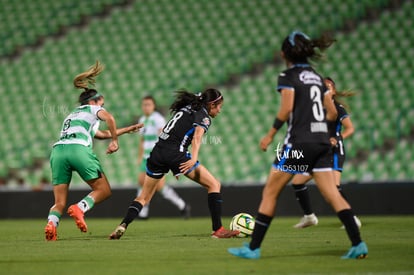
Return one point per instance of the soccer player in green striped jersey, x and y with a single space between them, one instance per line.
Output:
73 152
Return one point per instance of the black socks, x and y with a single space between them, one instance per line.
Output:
302 196
262 223
133 211
347 218
214 205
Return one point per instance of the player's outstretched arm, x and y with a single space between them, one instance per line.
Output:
106 134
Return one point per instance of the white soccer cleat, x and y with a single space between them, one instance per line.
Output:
306 221
119 231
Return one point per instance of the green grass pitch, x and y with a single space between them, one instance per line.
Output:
175 246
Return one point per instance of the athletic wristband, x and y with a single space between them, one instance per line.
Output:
278 124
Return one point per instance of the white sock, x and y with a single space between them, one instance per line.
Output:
139 191
144 211
169 194
54 217
86 204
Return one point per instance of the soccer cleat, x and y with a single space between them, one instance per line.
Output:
77 214
223 233
357 221
306 221
144 213
119 231
186 212
359 251
245 252
50 232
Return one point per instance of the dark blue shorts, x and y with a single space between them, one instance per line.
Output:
162 160
303 158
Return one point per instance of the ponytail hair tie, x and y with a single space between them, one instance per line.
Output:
199 95
293 34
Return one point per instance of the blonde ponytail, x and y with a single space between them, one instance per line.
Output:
83 80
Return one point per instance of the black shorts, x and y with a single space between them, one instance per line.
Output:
301 158
338 158
162 160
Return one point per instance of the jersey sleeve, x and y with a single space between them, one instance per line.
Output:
95 109
202 119
341 112
141 119
159 121
141 131
284 82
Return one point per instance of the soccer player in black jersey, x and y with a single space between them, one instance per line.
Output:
307 149
336 138
191 119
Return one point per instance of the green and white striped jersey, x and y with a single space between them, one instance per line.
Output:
80 126
152 125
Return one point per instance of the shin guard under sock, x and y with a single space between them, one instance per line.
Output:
302 196
262 223
347 218
133 211
214 205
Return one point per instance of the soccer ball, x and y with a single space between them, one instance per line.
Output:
244 223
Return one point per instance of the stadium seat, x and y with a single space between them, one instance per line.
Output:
158 48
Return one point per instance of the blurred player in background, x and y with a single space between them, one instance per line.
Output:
307 148
191 119
73 152
153 123
337 137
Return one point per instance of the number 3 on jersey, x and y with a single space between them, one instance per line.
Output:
317 107
170 125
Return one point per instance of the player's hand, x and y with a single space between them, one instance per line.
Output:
333 141
112 147
185 166
134 128
264 142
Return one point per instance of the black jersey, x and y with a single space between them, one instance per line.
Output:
336 128
179 130
307 121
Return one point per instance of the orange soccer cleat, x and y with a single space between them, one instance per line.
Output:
50 232
77 214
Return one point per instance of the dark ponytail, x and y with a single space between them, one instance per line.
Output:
298 47
196 101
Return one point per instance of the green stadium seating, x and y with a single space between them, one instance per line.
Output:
157 47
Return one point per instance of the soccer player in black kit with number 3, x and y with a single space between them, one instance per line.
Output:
307 148
190 121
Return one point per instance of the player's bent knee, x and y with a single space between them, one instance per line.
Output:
214 186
